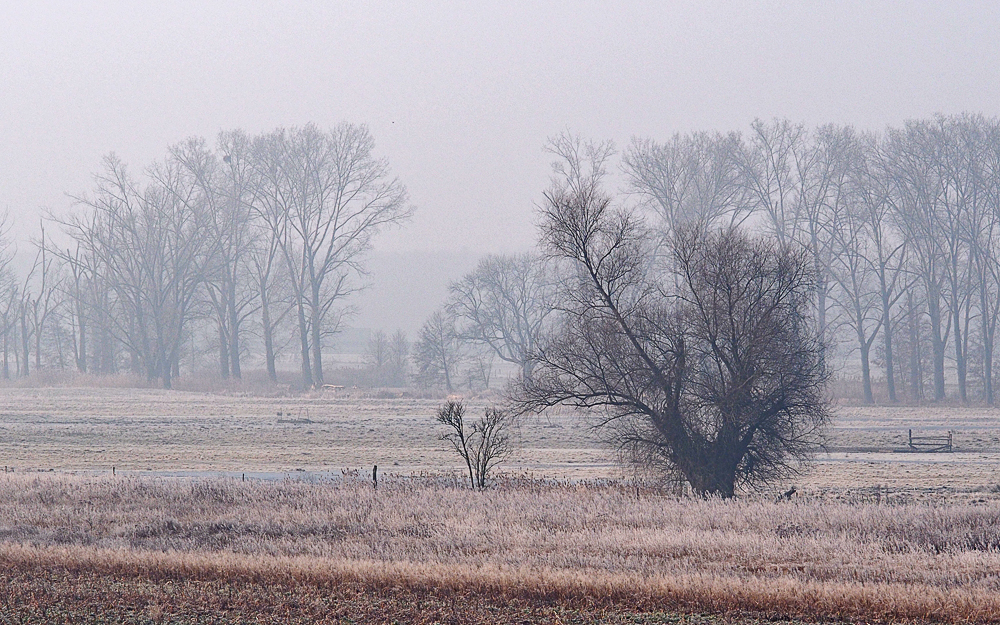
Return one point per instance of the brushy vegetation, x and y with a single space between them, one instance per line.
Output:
595 548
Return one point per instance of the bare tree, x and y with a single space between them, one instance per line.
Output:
858 292
504 304
772 175
226 189
720 381
149 243
693 178
9 296
377 357
46 302
915 200
399 358
870 188
579 164
984 233
483 445
273 293
437 353
326 196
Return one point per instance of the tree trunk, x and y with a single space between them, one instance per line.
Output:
81 361
989 334
916 371
937 342
961 365
317 349
25 344
447 374
234 335
265 314
890 374
988 367
527 367
708 480
6 351
866 372
38 344
223 353
864 350
307 377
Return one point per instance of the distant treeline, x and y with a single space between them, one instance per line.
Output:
903 228
257 241
250 248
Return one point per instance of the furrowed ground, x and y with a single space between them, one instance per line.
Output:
871 535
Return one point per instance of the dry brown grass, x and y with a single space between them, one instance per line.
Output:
876 536
576 545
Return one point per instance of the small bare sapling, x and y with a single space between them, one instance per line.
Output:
483 444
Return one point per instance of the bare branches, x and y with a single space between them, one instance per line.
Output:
504 304
483 445
325 196
694 178
719 378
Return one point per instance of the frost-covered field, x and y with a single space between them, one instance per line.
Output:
84 430
872 534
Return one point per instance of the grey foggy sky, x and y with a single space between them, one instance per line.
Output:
461 96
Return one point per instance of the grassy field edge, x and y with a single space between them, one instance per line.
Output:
775 597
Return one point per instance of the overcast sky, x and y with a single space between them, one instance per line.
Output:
461 96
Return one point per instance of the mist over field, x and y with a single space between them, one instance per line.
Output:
499 312
459 101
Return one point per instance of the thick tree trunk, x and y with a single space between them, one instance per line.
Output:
961 365
718 480
307 376
223 353
265 314
234 335
916 369
527 367
890 374
937 343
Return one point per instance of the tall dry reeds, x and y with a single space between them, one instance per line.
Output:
574 543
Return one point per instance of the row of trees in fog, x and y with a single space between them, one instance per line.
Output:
249 248
254 234
902 228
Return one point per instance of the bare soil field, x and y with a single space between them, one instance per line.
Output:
176 535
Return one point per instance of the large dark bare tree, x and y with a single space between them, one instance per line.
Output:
719 379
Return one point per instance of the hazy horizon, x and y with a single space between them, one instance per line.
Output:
461 98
